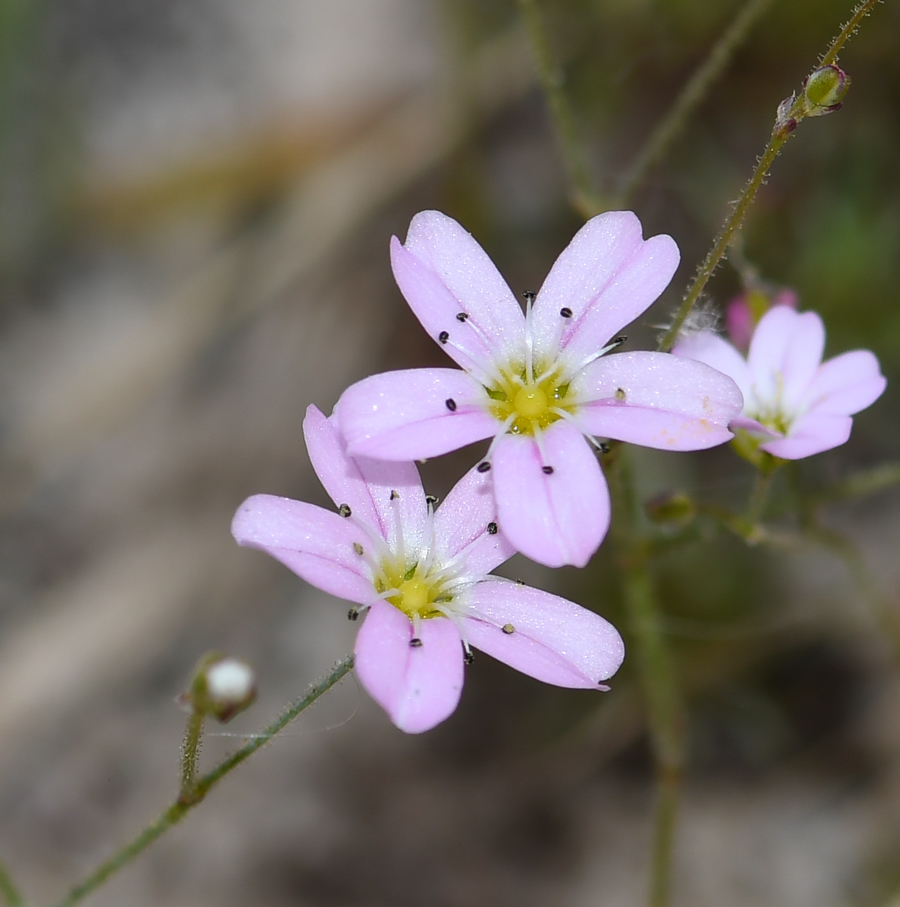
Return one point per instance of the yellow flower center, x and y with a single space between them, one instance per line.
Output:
416 593
529 405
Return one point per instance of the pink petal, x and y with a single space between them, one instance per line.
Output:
443 272
554 519
552 639
810 434
417 687
316 544
754 427
784 356
717 352
607 276
365 485
461 524
846 384
657 400
405 416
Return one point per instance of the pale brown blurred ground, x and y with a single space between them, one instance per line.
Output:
239 172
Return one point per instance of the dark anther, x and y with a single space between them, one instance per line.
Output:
529 295
344 510
358 548
620 393
484 466
547 470
450 403
566 312
415 643
492 528
443 336
431 499
394 495
603 447
620 339
468 656
508 629
353 614
462 316
520 582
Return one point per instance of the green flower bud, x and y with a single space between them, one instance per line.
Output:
671 508
824 90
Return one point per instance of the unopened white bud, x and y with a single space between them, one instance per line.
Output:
230 680
222 687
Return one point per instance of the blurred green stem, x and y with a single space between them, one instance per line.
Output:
884 610
784 128
179 809
584 196
694 91
662 693
9 894
759 496
863 483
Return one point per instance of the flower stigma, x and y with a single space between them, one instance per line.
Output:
527 404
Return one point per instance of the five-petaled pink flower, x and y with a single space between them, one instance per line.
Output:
541 383
420 574
795 405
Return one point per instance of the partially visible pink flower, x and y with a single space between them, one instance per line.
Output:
795 405
421 576
744 311
539 384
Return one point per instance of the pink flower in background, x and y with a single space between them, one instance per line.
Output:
744 311
539 384
421 576
795 405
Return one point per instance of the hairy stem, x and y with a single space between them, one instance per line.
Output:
783 130
179 809
584 196
190 752
694 91
9 894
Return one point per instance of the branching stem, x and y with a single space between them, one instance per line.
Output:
187 800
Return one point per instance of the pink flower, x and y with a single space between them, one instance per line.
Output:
538 384
795 405
420 574
743 312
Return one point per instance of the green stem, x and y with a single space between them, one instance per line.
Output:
694 91
783 130
9 894
759 495
584 197
177 811
190 753
884 610
662 693
863 483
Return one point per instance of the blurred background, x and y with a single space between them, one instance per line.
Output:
196 198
